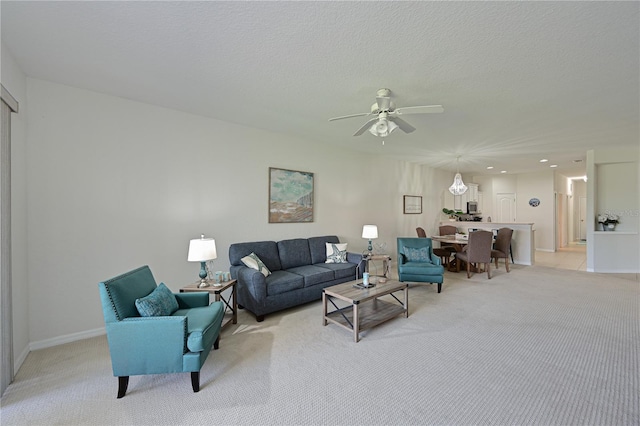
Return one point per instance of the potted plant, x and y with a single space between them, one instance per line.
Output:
608 221
453 214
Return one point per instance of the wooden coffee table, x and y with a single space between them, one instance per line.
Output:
365 309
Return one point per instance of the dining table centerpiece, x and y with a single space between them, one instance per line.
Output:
608 221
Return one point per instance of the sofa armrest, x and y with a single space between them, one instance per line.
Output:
354 257
192 300
253 282
147 345
435 259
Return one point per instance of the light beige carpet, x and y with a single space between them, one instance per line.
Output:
536 346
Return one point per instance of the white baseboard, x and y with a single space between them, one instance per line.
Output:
17 363
546 250
74 337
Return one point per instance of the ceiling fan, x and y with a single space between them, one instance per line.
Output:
387 120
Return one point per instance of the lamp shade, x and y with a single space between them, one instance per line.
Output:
202 249
369 232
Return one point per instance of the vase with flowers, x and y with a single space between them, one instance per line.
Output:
608 221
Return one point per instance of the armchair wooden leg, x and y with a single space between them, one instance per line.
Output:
439 287
195 381
496 263
489 270
506 263
468 269
216 344
123 383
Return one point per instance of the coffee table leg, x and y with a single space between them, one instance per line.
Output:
324 308
356 323
406 302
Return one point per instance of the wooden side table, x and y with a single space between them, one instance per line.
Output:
386 263
230 303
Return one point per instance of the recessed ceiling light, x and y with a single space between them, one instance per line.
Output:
544 160
503 171
553 165
489 167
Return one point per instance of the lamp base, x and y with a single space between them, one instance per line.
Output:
203 275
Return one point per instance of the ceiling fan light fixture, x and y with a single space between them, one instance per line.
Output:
382 127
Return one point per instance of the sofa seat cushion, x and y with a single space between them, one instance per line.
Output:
340 270
422 268
202 324
313 274
283 281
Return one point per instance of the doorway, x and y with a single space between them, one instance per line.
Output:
582 219
505 207
9 105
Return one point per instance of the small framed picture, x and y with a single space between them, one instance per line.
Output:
412 204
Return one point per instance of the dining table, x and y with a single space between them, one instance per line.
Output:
458 245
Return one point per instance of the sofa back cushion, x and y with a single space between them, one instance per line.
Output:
294 253
267 251
318 249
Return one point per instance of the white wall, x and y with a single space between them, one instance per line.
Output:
15 82
613 185
114 184
525 186
538 185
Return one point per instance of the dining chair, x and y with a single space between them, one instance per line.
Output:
478 252
445 250
421 233
502 246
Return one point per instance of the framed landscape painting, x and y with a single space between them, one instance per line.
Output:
290 196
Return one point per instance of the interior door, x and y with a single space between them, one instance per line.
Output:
505 207
582 211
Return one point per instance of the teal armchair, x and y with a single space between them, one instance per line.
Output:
417 263
172 343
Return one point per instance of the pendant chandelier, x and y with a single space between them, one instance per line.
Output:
458 187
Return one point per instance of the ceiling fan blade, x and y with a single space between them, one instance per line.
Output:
365 127
384 103
403 125
350 116
427 109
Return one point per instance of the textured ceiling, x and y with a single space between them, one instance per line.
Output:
519 81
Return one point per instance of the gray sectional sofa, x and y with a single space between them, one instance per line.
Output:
298 273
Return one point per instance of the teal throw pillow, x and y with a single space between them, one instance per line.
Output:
417 254
160 302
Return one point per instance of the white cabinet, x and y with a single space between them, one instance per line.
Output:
472 194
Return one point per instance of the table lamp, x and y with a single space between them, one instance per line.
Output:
370 232
201 250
